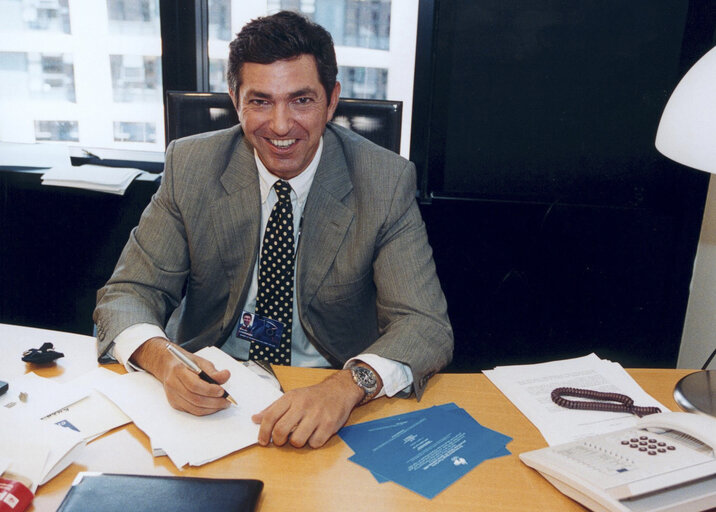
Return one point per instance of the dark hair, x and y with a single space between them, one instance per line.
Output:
284 35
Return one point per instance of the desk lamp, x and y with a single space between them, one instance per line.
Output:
687 134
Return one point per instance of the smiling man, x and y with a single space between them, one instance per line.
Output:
305 225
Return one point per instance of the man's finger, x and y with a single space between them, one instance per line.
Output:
269 417
198 407
220 376
302 433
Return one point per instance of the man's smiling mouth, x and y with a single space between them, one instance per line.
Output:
282 143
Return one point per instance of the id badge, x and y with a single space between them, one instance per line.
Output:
260 329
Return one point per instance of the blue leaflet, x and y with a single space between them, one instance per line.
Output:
424 450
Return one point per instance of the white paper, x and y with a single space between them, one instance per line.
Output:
114 180
38 450
94 414
4 463
74 405
529 387
189 439
27 458
34 155
42 396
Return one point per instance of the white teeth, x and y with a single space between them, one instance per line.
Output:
282 143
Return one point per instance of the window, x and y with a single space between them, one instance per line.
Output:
56 130
368 83
52 76
375 43
84 72
136 78
133 17
135 132
48 15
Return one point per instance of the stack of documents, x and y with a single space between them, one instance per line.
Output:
44 424
34 450
42 155
189 439
529 387
113 180
426 450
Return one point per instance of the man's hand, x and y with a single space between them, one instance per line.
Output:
185 390
310 415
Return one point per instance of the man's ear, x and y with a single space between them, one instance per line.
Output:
234 99
333 104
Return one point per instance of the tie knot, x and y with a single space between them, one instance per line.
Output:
283 190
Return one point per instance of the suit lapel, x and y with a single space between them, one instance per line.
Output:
326 219
236 218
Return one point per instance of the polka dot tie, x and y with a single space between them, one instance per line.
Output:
275 291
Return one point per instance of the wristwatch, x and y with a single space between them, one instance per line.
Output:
366 380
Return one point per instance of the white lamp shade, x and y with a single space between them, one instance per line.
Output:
687 130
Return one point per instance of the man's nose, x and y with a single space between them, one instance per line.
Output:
281 119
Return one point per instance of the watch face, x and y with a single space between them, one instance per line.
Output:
365 378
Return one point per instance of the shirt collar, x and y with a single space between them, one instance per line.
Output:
300 184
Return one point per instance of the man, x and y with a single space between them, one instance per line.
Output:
361 288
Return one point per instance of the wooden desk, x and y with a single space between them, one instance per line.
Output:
324 479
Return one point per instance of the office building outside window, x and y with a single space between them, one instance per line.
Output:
135 132
56 130
375 44
136 78
83 72
133 16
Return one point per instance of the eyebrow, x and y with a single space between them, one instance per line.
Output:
306 91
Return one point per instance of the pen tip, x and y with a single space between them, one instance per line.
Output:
231 399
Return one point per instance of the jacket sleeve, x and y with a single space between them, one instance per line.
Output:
147 283
412 312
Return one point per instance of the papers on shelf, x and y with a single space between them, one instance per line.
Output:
34 155
426 450
114 180
189 439
529 387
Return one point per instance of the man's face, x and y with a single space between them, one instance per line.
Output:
247 319
283 110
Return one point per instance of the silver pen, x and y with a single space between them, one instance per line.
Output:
191 365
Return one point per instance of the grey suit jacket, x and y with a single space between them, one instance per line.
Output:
365 277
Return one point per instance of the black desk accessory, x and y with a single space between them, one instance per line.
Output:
43 355
92 492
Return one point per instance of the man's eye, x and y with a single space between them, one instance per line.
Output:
258 102
304 100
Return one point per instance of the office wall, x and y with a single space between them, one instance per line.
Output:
575 234
58 246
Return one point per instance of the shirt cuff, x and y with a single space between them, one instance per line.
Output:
396 376
131 339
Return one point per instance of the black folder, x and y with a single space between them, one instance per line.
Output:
109 492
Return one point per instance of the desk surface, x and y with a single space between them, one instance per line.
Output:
324 479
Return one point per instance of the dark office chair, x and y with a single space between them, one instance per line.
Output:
188 113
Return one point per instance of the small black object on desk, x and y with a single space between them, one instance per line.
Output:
43 355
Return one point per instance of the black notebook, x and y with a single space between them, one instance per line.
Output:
138 493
